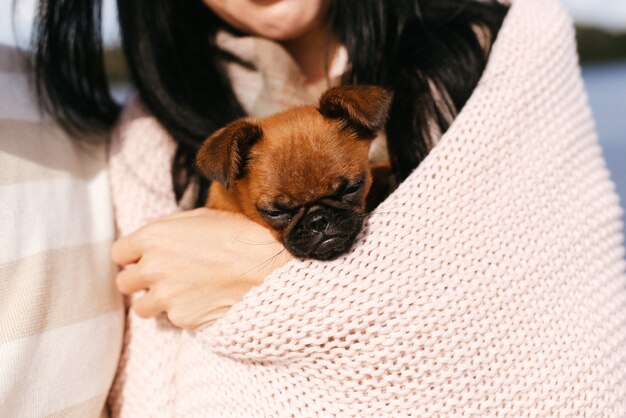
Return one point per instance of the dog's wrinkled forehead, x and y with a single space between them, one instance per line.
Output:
306 159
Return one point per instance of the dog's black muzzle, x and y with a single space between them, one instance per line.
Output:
324 233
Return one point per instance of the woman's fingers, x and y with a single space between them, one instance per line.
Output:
128 249
146 306
130 280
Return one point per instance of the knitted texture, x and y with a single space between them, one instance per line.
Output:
490 283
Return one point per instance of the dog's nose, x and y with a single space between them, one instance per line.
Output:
317 222
324 233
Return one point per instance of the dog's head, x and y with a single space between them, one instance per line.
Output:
303 173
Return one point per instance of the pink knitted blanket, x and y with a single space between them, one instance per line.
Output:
490 283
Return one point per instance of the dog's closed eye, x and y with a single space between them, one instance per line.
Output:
275 215
347 189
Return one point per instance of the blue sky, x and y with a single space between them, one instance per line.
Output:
607 13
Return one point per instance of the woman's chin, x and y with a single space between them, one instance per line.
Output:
278 20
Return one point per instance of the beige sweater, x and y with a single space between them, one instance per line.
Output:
61 318
490 283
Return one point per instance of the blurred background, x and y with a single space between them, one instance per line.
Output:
601 34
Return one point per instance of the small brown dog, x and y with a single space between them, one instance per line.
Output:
302 173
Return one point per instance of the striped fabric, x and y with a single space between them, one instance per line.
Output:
61 320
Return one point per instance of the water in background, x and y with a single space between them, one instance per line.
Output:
606 86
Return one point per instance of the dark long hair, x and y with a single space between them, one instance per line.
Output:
430 52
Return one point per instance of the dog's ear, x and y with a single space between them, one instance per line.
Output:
223 156
364 109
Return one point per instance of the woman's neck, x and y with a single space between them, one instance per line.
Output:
313 52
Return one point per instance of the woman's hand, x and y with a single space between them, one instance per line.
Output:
195 265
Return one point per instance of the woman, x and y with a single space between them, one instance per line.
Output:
191 95
468 293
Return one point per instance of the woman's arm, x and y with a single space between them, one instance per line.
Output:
195 265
